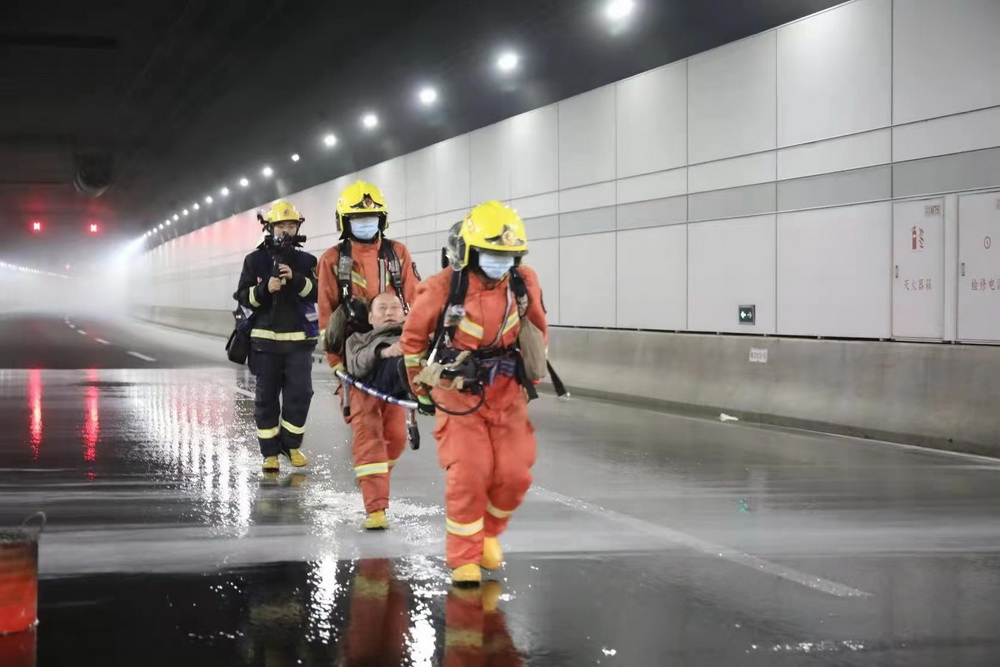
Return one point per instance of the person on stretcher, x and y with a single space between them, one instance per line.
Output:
375 357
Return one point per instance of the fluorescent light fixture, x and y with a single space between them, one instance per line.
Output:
185 212
295 157
428 96
369 120
617 10
244 182
196 206
167 223
176 217
224 192
208 199
507 61
267 171
330 140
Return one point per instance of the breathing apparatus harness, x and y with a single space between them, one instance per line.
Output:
280 248
472 371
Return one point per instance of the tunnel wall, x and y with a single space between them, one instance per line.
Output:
941 396
783 171
768 172
933 395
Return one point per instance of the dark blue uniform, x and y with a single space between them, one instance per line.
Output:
284 333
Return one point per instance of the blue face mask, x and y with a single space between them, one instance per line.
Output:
495 264
364 228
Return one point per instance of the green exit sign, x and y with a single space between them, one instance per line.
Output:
748 314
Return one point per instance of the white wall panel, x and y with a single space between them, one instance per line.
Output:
587 280
444 221
451 160
390 177
652 186
731 100
946 57
823 157
731 263
534 140
536 207
734 173
942 136
833 272
490 170
835 72
418 226
587 138
652 121
428 263
543 257
589 196
652 278
421 183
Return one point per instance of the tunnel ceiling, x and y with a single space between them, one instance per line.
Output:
165 101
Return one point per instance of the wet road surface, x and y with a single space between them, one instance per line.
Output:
648 539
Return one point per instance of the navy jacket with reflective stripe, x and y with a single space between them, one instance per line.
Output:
288 317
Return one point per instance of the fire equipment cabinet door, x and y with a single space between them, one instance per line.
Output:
918 269
979 267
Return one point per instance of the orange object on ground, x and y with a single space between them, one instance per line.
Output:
19 576
380 617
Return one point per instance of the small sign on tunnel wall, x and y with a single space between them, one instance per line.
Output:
748 314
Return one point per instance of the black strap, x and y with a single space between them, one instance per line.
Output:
387 254
443 335
345 266
557 382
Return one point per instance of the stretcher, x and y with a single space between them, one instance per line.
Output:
412 430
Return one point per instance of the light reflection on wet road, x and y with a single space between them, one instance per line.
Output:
650 539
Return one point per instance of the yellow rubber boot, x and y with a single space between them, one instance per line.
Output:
297 458
492 590
467 575
492 554
376 521
271 464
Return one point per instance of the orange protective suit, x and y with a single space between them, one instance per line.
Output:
379 428
475 629
487 455
380 617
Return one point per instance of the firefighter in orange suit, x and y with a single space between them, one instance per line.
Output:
363 265
461 349
475 629
379 617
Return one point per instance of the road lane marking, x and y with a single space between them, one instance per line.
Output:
141 356
81 332
102 341
732 555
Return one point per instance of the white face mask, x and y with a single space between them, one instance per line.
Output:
364 227
495 264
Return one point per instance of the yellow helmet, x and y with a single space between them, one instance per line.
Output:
281 211
361 198
493 227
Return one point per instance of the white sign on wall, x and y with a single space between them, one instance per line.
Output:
918 269
758 355
979 267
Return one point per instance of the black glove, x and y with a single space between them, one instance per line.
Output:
425 406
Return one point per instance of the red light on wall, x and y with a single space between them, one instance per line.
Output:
36 226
